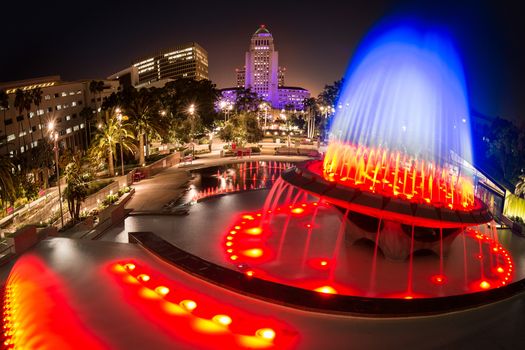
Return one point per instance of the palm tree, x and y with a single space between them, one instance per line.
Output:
7 180
36 97
142 108
108 135
96 87
4 105
520 186
22 102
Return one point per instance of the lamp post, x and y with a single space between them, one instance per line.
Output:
191 111
54 135
119 118
264 107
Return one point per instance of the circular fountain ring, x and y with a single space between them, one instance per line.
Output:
378 205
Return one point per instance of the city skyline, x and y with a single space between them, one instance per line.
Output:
316 48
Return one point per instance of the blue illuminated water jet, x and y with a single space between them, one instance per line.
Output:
405 90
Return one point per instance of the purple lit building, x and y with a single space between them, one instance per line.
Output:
262 74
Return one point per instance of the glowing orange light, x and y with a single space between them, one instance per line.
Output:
324 263
237 227
253 253
248 217
234 257
266 334
500 269
188 305
297 210
229 238
130 267
408 297
254 231
143 277
162 290
249 273
326 290
223 320
484 285
232 232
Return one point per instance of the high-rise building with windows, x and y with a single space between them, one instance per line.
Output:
61 103
183 61
261 73
262 65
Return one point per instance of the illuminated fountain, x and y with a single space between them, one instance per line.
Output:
390 212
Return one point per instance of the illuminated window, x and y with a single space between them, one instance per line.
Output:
11 137
68 117
47 97
68 131
64 94
58 107
82 126
73 104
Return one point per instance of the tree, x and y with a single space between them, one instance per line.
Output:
76 187
36 98
23 102
143 109
7 180
243 127
254 132
177 96
331 93
4 105
87 114
506 148
96 87
106 138
247 100
519 190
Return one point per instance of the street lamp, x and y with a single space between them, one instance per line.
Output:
226 108
264 107
54 135
191 111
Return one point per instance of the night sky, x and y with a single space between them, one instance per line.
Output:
315 39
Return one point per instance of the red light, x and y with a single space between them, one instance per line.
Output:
484 285
253 253
266 334
143 277
326 290
297 210
254 231
438 279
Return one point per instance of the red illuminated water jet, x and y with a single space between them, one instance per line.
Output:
401 204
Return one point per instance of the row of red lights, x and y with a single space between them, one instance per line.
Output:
244 243
262 337
244 247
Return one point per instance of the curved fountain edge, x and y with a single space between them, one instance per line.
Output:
310 300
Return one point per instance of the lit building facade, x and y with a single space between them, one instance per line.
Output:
61 103
262 74
262 66
184 61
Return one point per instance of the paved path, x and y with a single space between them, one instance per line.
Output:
153 193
